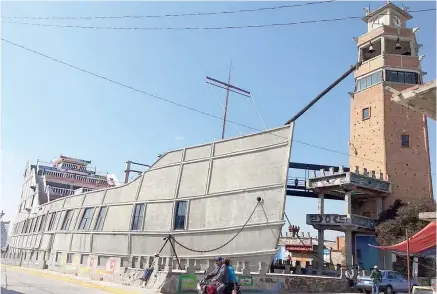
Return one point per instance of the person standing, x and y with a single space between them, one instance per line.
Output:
376 277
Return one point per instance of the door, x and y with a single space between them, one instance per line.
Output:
368 256
390 278
402 282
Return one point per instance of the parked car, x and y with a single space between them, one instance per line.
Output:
392 282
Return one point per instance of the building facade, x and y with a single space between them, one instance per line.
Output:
64 176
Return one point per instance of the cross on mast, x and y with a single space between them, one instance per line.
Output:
229 88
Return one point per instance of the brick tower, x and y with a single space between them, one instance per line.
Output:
386 137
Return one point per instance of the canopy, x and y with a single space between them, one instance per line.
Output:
421 244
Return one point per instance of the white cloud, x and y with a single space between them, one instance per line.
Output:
179 138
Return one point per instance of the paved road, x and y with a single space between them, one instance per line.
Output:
17 282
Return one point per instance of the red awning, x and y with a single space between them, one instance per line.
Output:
423 243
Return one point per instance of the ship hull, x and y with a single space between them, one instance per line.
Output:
234 193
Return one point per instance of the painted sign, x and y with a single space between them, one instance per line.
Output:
111 265
245 281
298 241
91 261
187 282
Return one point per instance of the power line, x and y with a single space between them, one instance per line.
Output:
180 28
168 15
199 28
179 104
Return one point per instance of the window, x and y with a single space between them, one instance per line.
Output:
24 228
399 276
41 224
86 219
52 221
405 141
366 113
67 219
369 81
30 226
402 77
35 226
100 217
137 221
180 214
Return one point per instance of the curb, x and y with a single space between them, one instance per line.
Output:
73 280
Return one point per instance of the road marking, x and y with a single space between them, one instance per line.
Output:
73 280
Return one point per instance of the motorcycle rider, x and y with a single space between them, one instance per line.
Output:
219 275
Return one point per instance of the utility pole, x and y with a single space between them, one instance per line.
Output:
128 169
229 88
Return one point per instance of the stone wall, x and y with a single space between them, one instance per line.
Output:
168 279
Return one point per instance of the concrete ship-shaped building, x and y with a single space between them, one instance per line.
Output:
213 199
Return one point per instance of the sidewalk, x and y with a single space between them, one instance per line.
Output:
83 281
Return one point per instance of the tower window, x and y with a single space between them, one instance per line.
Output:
405 141
366 113
369 81
402 77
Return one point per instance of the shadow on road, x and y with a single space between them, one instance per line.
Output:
5 291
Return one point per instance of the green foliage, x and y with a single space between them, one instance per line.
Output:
391 226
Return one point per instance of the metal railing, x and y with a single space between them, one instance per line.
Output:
58 191
76 177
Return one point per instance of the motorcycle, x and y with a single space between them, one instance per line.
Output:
205 287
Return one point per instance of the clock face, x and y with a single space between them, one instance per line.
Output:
377 22
396 21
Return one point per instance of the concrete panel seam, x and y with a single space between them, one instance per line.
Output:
246 151
178 180
140 185
208 178
71 242
187 218
104 196
83 198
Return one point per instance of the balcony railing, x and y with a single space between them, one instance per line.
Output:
58 191
75 177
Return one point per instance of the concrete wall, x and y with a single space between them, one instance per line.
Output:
220 181
167 279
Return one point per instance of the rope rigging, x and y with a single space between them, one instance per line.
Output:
229 241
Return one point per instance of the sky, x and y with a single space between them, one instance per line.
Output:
48 108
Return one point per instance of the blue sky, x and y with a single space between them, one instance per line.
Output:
49 109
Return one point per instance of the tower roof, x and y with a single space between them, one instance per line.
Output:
386 6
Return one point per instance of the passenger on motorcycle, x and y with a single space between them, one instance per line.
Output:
219 275
231 274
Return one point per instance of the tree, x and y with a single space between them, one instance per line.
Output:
393 222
